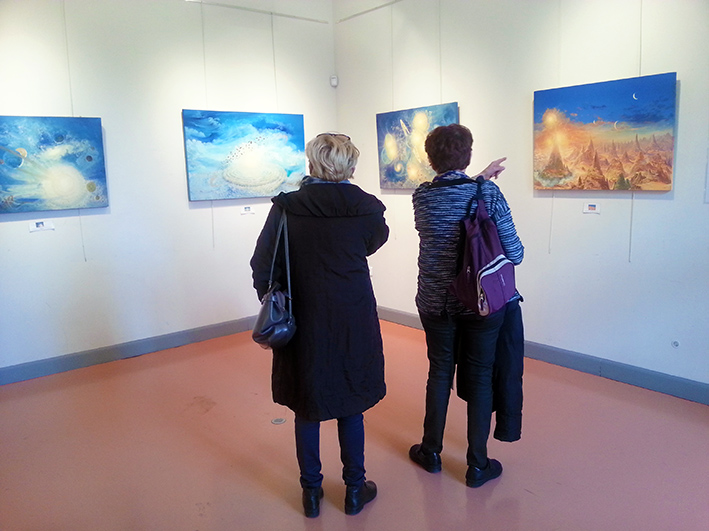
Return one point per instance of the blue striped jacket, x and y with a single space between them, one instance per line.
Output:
438 212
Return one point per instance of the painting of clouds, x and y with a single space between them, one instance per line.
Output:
403 162
616 135
232 155
51 163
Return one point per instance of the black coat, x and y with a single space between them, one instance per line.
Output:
334 365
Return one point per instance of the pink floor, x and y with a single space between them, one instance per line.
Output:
183 439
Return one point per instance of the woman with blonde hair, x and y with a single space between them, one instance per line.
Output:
333 368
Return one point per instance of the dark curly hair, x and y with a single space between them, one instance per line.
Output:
449 147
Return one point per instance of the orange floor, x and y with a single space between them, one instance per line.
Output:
183 439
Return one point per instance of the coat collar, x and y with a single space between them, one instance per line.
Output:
345 200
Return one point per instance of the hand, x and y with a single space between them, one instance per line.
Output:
494 169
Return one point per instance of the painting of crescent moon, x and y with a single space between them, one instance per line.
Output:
233 155
616 135
51 163
403 163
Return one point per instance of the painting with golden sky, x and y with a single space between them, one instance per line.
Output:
616 135
403 162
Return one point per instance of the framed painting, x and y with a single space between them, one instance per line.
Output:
233 155
403 163
51 163
616 135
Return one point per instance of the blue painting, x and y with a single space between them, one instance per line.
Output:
403 162
51 163
233 155
616 135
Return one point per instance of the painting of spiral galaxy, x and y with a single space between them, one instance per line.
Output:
615 135
233 155
403 162
51 163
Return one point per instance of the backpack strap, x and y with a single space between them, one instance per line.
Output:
443 182
480 180
479 198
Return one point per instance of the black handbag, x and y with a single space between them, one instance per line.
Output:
275 325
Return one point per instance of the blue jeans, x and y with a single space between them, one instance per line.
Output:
470 342
350 431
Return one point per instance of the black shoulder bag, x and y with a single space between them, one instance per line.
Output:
275 324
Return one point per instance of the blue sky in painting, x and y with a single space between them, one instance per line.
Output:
639 100
51 163
239 154
403 162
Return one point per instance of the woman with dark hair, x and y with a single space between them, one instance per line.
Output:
455 334
333 368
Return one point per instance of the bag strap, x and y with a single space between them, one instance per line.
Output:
479 180
481 212
285 236
282 230
478 195
452 182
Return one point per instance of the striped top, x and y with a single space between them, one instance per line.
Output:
438 212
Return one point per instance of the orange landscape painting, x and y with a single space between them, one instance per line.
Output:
617 135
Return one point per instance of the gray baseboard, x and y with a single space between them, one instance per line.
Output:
613 370
403 318
68 362
637 376
621 372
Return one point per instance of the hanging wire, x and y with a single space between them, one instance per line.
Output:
275 71
71 106
632 194
440 55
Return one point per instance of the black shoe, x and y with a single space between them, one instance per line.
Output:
311 501
430 462
478 476
356 497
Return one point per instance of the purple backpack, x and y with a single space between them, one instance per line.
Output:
487 278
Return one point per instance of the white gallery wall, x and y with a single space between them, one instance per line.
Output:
623 285
152 263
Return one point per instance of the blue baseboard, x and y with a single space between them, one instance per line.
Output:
68 362
620 372
629 374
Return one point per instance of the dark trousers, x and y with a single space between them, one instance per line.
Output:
350 431
507 375
471 342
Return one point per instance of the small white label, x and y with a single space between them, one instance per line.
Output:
591 208
41 225
246 210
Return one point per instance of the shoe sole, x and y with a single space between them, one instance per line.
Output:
356 510
477 484
481 482
428 468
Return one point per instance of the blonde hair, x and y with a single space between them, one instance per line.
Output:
332 157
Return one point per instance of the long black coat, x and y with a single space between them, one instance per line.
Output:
334 365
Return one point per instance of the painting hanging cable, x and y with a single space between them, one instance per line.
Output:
273 53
